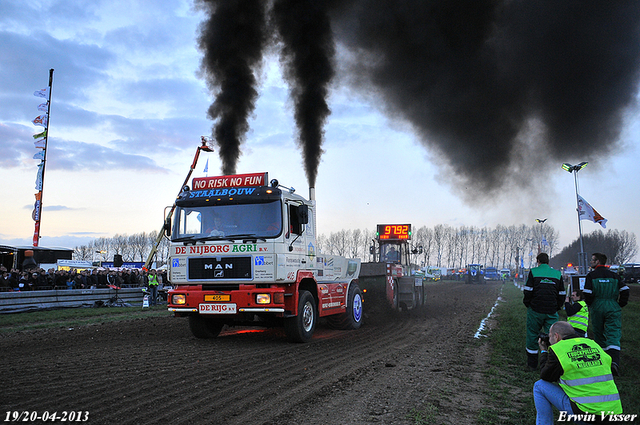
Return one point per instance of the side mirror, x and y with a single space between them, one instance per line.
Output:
167 226
303 214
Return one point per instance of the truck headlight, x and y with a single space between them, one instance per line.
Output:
179 299
263 298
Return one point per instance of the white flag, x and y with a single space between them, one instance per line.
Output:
42 93
39 155
39 143
43 106
41 120
206 166
587 212
39 177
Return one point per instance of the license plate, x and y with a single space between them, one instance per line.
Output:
217 298
217 308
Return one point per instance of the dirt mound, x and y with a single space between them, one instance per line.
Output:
153 370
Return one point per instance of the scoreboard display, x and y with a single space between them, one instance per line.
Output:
393 232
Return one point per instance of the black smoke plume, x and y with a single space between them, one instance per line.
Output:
232 40
472 76
499 90
308 55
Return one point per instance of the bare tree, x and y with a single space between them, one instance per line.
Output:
138 245
82 253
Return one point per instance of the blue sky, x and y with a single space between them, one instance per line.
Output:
129 108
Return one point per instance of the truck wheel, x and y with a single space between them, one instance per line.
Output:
301 327
202 327
352 317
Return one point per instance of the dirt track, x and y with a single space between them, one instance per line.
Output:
153 371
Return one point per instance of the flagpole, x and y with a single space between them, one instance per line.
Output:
582 263
38 212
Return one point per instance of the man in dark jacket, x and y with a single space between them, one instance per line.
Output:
543 295
605 293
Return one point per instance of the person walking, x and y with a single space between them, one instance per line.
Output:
585 389
544 295
153 286
605 293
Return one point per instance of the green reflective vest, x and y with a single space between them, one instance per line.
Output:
580 320
153 280
587 378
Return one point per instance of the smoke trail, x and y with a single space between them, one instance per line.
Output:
232 40
308 54
472 75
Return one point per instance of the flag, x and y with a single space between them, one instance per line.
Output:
41 120
42 93
39 143
206 166
544 242
39 135
39 155
587 212
39 177
43 106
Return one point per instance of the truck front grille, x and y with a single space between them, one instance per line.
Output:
219 268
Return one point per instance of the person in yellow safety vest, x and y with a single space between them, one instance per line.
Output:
586 391
577 313
153 287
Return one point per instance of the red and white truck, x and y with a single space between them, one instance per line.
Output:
244 252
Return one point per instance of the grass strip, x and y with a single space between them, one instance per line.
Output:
69 317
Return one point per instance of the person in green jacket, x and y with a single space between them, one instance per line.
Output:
543 296
585 390
606 294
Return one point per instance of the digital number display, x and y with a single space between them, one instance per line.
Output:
393 232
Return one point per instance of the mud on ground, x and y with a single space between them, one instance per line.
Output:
153 370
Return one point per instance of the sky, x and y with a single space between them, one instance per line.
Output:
129 105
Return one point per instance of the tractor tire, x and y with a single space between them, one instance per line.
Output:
352 317
300 328
204 328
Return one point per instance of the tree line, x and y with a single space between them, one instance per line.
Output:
454 247
441 246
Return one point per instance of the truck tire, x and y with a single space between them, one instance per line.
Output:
300 328
352 317
202 327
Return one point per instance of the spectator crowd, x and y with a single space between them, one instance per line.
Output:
40 279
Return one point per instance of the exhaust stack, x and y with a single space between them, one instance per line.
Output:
312 193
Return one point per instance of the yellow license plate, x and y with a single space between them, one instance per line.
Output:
217 297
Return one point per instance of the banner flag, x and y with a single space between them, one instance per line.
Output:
43 107
587 212
39 155
40 120
39 143
39 135
42 93
39 177
206 166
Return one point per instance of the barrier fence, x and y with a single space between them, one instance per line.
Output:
15 302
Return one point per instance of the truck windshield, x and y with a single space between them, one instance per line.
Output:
258 220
